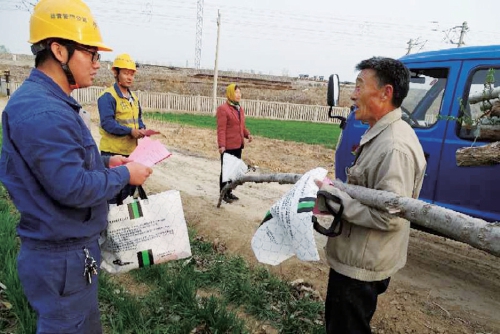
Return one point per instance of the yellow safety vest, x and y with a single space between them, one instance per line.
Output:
126 114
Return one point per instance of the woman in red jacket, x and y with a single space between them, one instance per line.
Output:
231 130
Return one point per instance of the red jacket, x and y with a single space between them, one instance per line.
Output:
230 128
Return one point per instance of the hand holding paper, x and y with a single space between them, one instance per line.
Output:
149 132
149 152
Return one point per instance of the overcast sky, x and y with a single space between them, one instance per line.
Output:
315 37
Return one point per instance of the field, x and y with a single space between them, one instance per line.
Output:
446 286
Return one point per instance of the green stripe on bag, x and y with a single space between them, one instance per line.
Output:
305 206
267 217
135 210
145 258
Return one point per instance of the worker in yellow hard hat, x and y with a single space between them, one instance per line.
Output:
120 115
52 169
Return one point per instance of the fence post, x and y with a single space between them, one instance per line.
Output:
138 93
287 110
198 103
316 114
257 112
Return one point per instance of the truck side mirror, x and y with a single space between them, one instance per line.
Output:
333 98
333 90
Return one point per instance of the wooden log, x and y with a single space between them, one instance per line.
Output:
479 156
475 232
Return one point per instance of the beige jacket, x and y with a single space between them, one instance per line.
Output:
373 245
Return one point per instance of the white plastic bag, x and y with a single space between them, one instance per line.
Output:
232 167
144 232
289 230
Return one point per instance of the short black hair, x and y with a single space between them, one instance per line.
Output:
42 56
389 72
43 52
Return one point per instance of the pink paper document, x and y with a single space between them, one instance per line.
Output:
149 152
150 132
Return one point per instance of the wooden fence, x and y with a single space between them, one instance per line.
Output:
168 102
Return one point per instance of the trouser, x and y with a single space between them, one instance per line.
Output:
52 279
126 191
350 304
237 153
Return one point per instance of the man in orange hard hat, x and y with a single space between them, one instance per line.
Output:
52 169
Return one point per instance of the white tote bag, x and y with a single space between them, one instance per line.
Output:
232 167
144 232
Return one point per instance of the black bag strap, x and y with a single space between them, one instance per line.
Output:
142 195
335 228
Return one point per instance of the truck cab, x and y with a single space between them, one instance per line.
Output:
452 94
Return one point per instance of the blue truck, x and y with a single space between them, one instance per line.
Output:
453 98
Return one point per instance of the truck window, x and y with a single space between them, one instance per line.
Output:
422 105
479 114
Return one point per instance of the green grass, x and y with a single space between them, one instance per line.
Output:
324 134
205 293
20 316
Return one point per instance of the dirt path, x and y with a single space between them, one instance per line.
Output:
446 286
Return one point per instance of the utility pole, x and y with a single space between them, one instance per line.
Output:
216 73
199 34
410 45
462 34
413 43
463 29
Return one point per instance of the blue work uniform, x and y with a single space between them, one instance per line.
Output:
56 178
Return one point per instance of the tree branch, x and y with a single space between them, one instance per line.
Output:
473 231
281 178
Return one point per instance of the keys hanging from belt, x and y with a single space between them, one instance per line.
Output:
90 266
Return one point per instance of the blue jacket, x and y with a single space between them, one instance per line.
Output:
51 166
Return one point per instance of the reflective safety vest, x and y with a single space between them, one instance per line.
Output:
126 114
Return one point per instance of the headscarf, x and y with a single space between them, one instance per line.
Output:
230 94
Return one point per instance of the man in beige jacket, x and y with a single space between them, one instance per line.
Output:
373 245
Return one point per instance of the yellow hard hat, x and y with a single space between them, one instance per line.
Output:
66 19
124 61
